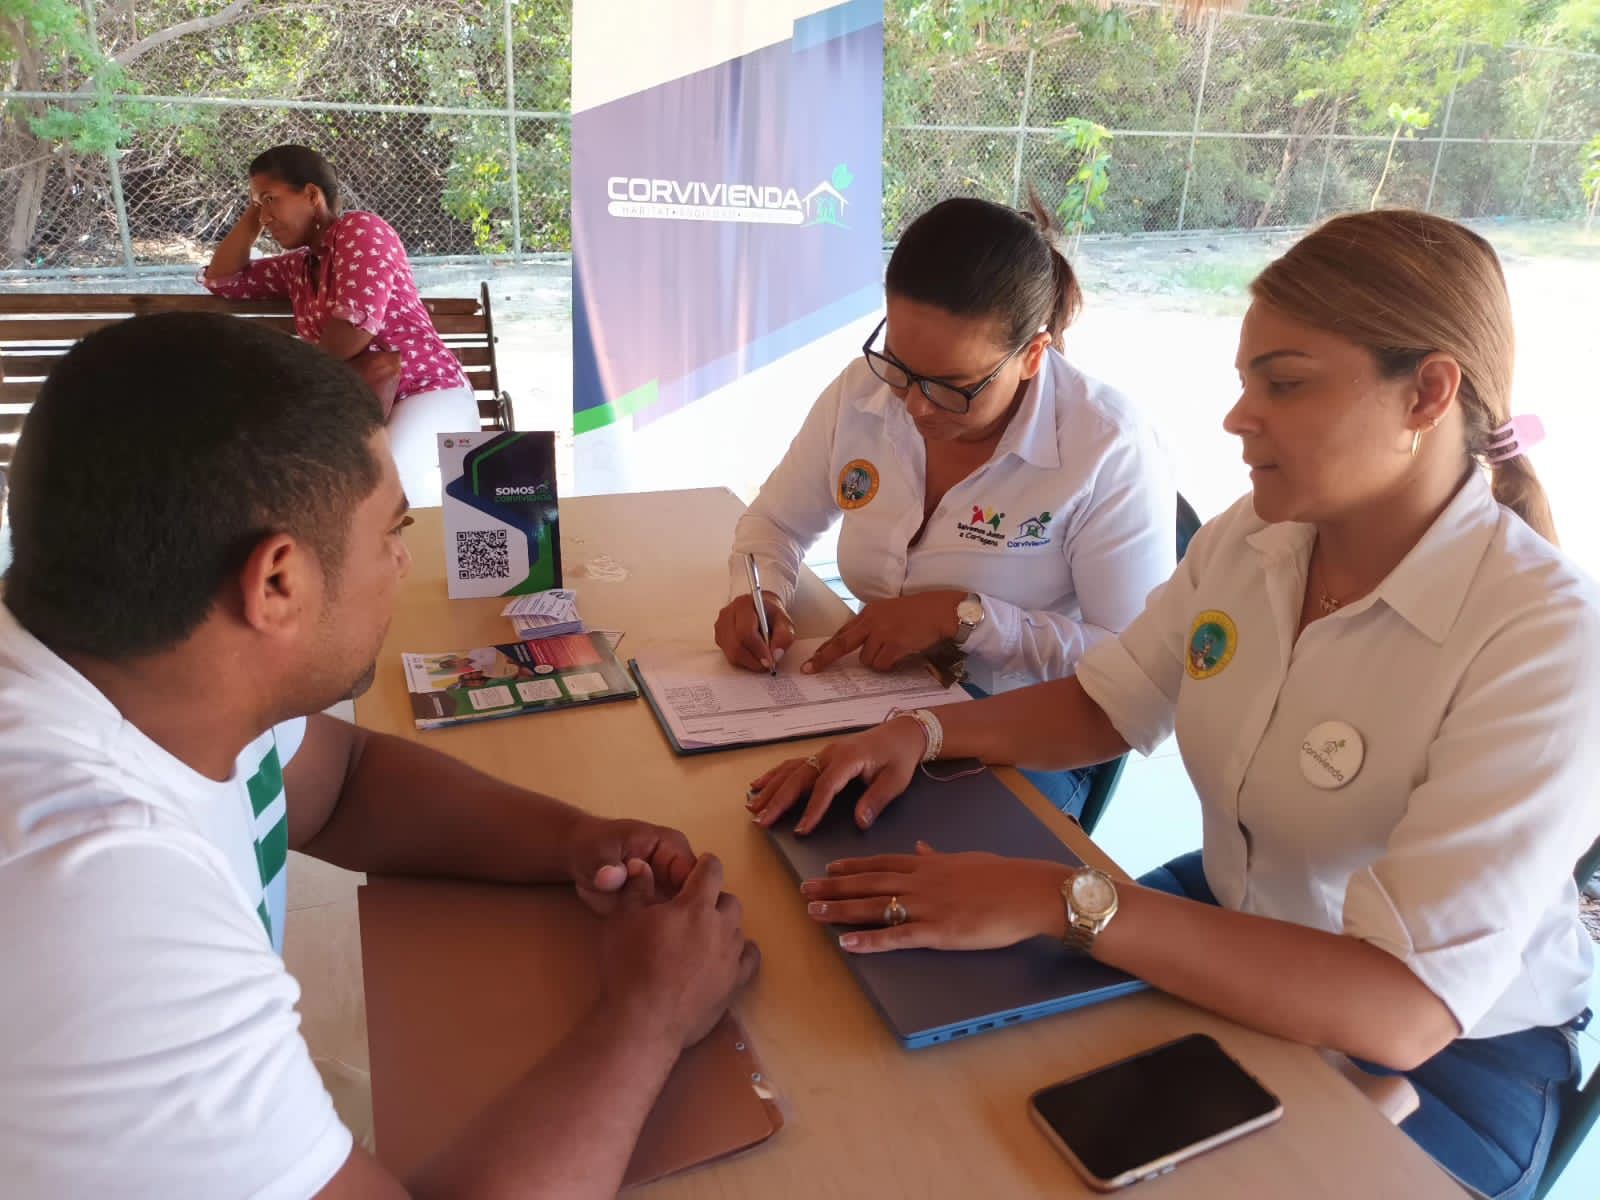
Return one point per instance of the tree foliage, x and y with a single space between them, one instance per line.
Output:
1342 65
1092 102
442 178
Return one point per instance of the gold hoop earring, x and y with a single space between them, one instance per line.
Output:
1416 440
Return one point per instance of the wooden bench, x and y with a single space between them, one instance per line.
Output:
38 328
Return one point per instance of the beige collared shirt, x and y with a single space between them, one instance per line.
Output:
1445 830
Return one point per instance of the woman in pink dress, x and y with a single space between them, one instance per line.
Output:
350 283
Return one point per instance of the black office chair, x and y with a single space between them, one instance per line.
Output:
1103 781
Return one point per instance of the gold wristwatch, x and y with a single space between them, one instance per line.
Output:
1090 897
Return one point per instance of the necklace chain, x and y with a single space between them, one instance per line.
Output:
1328 602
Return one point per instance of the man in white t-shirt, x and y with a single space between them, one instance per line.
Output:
207 531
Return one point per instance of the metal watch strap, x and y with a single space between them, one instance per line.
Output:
1077 938
1082 931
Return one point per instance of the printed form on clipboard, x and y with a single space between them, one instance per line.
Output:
704 703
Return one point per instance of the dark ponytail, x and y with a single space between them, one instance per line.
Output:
1068 295
298 166
974 258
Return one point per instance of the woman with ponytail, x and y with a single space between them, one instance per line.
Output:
1385 682
994 498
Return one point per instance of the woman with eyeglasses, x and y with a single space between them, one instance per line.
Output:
993 497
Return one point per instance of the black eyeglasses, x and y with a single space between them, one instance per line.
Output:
948 396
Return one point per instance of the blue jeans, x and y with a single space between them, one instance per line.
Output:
1489 1105
1067 790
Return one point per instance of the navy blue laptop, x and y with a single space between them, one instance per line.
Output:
931 996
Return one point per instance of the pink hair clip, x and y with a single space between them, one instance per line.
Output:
1516 436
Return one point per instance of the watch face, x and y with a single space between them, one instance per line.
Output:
968 612
1092 893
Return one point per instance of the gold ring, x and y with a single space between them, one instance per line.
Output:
811 761
895 913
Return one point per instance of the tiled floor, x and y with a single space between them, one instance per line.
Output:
322 949
1154 815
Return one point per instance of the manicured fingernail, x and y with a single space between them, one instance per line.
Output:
866 817
817 909
850 941
778 655
808 887
809 669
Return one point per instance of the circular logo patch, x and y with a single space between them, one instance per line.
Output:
1212 640
858 484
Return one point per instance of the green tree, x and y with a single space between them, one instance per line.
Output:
49 45
962 62
1089 149
1406 123
45 45
1590 180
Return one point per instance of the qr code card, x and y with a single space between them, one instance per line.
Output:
502 531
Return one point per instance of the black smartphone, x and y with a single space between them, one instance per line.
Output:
1141 1117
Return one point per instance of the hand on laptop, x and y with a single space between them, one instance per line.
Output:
678 963
969 901
605 855
885 757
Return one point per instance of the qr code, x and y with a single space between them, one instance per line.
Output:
483 554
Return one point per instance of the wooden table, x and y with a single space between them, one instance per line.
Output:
866 1118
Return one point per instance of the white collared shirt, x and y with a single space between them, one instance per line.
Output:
1470 680
1062 533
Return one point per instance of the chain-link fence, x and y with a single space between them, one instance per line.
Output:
450 118
1217 124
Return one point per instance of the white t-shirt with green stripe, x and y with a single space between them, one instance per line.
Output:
261 768
150 1045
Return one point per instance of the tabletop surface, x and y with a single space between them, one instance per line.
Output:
865 1117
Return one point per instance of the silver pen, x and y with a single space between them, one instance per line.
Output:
754 573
